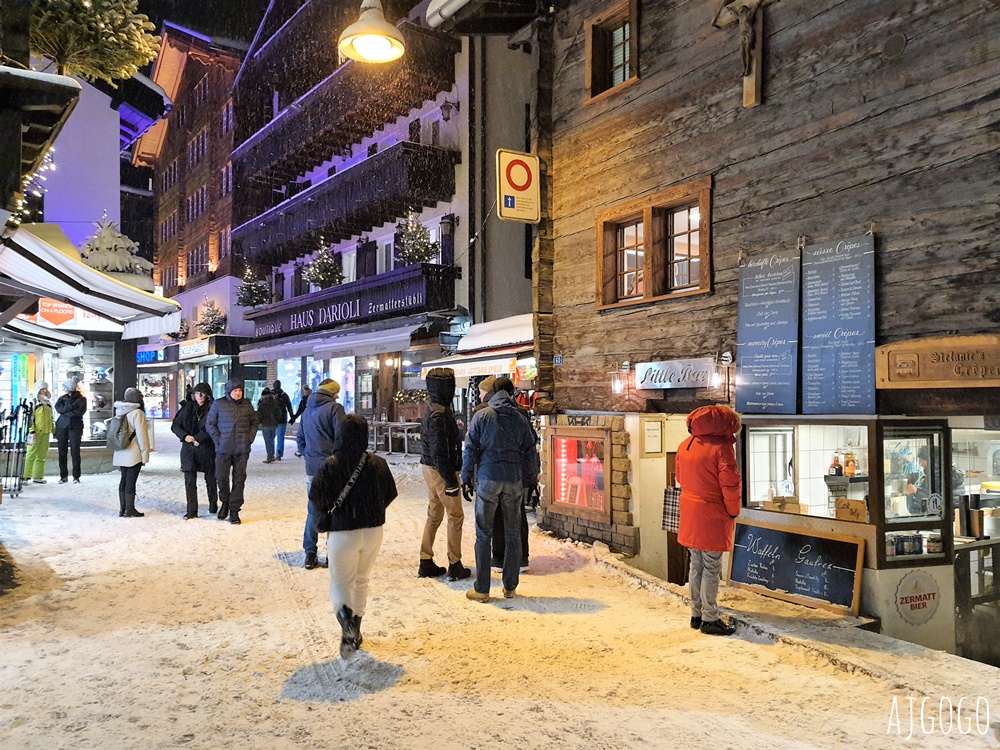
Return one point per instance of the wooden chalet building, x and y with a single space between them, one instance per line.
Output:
817 178
190 152
334 157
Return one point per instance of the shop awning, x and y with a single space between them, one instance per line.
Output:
502 361
364 344
39 259
329 346
32 333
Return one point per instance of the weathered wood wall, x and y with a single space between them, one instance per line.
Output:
844 138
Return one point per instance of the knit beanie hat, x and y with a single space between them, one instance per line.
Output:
69 385
330 386
487 385
132 396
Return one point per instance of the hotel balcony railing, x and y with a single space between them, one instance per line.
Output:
350 104
382 188
415 289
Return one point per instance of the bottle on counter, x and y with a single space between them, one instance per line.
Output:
850 464
835 469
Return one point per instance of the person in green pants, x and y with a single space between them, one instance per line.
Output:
40 431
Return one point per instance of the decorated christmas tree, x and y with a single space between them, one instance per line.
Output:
415 245
325 270
212 320
253 291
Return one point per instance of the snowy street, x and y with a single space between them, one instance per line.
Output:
158 632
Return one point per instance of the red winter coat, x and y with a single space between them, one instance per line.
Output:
711 486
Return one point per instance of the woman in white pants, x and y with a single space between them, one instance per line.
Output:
349 496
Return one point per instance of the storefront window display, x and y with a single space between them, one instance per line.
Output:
155 391
254 382
809 469
579 472
342 370
216 376
289 372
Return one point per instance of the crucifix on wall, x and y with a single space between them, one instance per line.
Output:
749 16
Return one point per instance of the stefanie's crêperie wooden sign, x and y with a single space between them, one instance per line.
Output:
940 362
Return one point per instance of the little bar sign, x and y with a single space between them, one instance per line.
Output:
676 373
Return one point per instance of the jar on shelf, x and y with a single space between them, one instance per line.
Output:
850 464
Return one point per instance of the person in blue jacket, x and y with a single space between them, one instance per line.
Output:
317 440
500 456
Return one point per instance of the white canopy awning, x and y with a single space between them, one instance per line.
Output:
330 346
32 333
39 259
493 362
512 331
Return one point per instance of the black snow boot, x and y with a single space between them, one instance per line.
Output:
311 561
458 572
121 503
717 627
130 511
428 569
234 516
223 511
192 505
350 629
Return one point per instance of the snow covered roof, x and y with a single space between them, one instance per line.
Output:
505 332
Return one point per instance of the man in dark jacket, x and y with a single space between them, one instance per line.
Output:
486 390
283 404
71 406
500 455
232 425
317 439
267 419
197 448
441 457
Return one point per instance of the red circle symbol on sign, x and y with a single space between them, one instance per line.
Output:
527 173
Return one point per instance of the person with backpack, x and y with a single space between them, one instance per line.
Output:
197 448
39 432
71 406
349 495
267 417
128 435
232 424
283 404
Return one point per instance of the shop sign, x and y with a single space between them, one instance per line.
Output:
402 296
942 362
153 355
194 349
676 373
917 597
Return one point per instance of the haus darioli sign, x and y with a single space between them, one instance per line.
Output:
363 305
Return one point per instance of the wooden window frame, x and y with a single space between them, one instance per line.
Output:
597 84
653 209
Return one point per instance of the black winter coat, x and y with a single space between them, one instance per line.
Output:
267 411
232 425
439 436
364 507
283 404
71 408
191 420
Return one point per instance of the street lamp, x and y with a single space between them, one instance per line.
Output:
371 38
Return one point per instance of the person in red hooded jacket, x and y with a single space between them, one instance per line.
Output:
711 497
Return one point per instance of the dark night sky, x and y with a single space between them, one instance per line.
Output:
235 19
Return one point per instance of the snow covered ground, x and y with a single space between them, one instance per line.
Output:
158 632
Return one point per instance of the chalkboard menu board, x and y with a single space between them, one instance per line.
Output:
838 327
808 567
767 337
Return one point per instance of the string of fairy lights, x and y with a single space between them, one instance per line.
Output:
33 185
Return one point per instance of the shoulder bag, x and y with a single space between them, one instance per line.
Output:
347 487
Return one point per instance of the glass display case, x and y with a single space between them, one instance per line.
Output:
896 475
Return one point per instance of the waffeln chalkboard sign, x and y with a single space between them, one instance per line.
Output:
807 567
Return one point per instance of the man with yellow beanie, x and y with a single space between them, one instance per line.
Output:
318 437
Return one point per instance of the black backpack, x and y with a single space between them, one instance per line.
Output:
119 433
